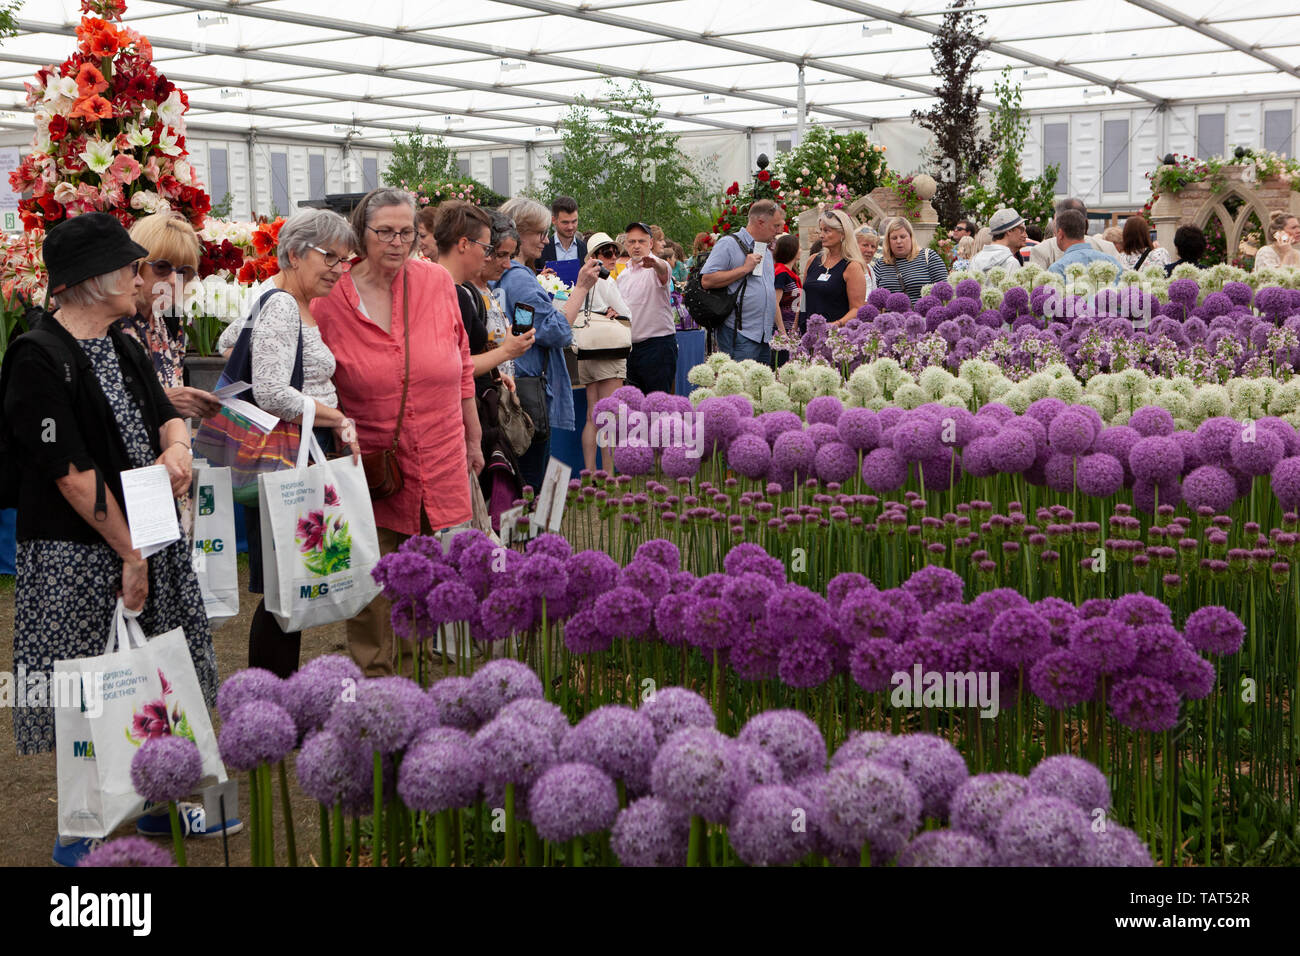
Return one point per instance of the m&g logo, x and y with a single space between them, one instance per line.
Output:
313 591
207 500
83 748
209 545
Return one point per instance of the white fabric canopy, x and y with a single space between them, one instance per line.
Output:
505 71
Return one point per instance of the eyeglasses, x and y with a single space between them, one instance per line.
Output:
331 259
387 235
486 246
163 269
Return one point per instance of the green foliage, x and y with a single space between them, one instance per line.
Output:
824 159
1008 127
221 210
13 306
8 22
419 159
619 162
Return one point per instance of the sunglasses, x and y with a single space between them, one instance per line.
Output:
162 268
606 252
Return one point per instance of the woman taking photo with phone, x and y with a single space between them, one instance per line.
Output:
835 282
541 376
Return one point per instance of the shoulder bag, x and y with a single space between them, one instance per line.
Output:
597 336
710 308
383 474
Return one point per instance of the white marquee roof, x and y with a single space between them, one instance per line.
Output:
505 71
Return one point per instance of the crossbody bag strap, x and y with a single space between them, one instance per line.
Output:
744 284
406 375
1142 258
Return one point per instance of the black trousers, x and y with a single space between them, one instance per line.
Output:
652 366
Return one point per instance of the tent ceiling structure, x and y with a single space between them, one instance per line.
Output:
507 71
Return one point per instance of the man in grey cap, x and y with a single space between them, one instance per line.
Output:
1009 235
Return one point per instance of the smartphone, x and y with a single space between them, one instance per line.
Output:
523 320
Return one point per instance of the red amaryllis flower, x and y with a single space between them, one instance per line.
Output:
331 496
58 128
104 42
311 531
90 81
92 108
151 721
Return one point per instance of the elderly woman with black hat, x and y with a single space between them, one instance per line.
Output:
82 404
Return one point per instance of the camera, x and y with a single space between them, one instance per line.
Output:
604 273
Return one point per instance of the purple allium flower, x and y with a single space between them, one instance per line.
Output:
844 584
1071 432
131 851
805 662
506 611
1045 831
404 574
1285 479
651 832
870 803
720 419
762 831
884 469
553 545
1145 703
499 682
1060 617
310 693
1061 679
451 602
1160 650
861 745
859 428
824 409
629 395
1012 450
1258 455
669 618
775 423
257 732
380 716
454 697
1214 629
1120 846
1138 609
572 800
650 578
872 663
1073 779
1147 494
679 462
591 574
1210 486
835 461
1157 458
797 611
582 635
1095 607
916 437
634 459
512 750
542 576
441 735
748 766
793 453
932 764
251 683
326 767
662 552
748 594
1214 439
868 614
1152 420
1193 677
1019 636
791 737
673 708
623 612
979 804
166 769
933 585
439 776
542 712
618 740
691 772
945 848
992 603
1103 643
710 623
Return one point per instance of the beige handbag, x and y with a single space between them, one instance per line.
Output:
597 336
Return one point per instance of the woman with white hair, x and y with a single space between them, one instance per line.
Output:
835 280
312 253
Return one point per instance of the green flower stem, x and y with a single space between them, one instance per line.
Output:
324 835
254 820
356 842
337 855
394 834
268 813
178 838
512 835
377 814
696 850
442 830
288 815
575 852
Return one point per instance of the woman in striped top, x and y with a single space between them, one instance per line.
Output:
905 266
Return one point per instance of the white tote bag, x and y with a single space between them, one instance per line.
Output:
135 690
319 542
214 543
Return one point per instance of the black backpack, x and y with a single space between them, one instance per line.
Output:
710 308
10 471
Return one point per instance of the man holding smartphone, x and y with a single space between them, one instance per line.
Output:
644 284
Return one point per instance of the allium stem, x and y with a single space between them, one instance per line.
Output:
337 855
512 835
696 849
268 814
288 815
178 838
356 842
575 852
442 833
254 819
377 815
866 854
546 655
324 835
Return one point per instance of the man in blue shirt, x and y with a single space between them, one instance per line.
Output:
747 334
1071 230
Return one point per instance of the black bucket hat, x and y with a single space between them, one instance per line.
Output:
91 244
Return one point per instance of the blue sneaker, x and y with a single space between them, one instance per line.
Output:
72 854
193 823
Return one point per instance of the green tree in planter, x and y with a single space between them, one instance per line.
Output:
619 162
1032 198
419 159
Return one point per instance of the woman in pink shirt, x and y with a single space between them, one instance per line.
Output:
364 323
